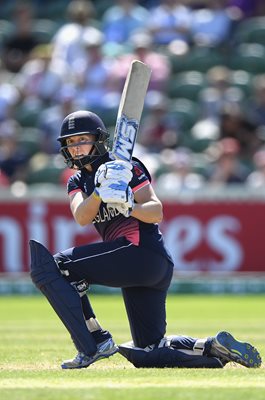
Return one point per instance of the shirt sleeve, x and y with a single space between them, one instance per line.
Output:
140 178
72 185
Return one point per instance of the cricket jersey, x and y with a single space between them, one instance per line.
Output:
111 224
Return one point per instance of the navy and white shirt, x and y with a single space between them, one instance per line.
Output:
109 223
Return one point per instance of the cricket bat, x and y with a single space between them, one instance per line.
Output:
130 110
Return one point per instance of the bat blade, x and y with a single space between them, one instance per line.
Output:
130 110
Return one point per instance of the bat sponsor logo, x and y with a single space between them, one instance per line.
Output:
126 136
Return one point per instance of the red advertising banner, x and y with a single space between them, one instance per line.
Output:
216 237
212 237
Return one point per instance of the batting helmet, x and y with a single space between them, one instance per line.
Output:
83 123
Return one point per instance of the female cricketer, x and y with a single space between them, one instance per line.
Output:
118 198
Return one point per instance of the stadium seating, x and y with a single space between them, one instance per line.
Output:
199 59
249 57
185 111
251 30
44 169
6 28
50 9
44 29
186 85
29 140
242 80
26 116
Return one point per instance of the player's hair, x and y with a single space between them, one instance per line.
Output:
83 123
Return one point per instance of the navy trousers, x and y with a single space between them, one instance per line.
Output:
177 352
142 274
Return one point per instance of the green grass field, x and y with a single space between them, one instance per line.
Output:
33 342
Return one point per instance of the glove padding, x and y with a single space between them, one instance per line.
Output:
126 207
111 191
117 170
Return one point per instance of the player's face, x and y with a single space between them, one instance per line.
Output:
80 145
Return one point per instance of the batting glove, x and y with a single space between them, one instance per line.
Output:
126 207
117 170
113 192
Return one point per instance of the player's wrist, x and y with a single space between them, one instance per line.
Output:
95 194
133 209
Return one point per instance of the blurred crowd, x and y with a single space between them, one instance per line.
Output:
204 117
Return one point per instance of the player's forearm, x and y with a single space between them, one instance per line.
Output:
85 212
150 212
